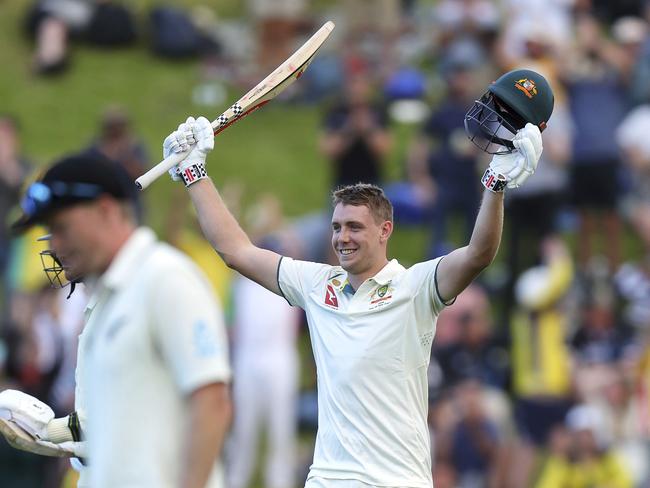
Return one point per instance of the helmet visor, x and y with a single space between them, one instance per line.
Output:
491 126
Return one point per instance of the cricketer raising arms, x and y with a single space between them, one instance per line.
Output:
372 321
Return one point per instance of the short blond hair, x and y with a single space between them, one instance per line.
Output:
366 194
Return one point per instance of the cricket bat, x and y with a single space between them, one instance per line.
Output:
260 95
18 438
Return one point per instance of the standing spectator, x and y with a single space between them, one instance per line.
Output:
540 356
533 210
355 135
13 171
443 162
594 79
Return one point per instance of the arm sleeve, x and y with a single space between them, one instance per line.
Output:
297 278
188 327
425 285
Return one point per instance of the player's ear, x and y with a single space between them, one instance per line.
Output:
386 230
107 206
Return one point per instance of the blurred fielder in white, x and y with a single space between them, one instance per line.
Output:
151 400
372 321
265 364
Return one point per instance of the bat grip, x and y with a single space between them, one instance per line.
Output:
160 169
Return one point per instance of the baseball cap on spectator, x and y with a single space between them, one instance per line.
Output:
630 30
588 417
73 180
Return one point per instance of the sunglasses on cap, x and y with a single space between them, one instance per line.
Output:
40 196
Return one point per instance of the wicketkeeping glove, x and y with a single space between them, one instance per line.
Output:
197 135
513 169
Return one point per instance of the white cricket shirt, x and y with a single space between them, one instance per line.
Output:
154 333
372 350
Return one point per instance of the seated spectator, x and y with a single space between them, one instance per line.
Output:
635 148
623 416
476 352
580 456
52 23
473 440
117 141
632 280
601 337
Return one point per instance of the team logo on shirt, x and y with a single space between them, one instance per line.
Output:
330 297
381 296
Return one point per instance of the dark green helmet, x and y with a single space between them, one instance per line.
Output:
518 97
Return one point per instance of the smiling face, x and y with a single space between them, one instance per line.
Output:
359 241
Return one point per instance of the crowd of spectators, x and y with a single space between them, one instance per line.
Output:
540 372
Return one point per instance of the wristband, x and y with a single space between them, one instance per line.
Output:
493 182
64 429
193 173
75 426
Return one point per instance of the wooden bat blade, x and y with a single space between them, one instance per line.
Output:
258 96
19 439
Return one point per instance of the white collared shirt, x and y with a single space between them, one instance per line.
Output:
372 350
153 334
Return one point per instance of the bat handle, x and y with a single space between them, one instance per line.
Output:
160 169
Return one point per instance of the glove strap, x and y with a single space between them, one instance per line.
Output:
193 173
493 182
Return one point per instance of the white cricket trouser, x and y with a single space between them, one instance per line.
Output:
330 483
264 397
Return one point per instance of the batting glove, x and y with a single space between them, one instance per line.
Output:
513 169
28 412
197 136
20 439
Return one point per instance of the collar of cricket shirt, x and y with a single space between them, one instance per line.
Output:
129 258
388 272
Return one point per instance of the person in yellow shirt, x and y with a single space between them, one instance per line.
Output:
580 456
540 357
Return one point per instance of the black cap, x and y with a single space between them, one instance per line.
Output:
72 180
